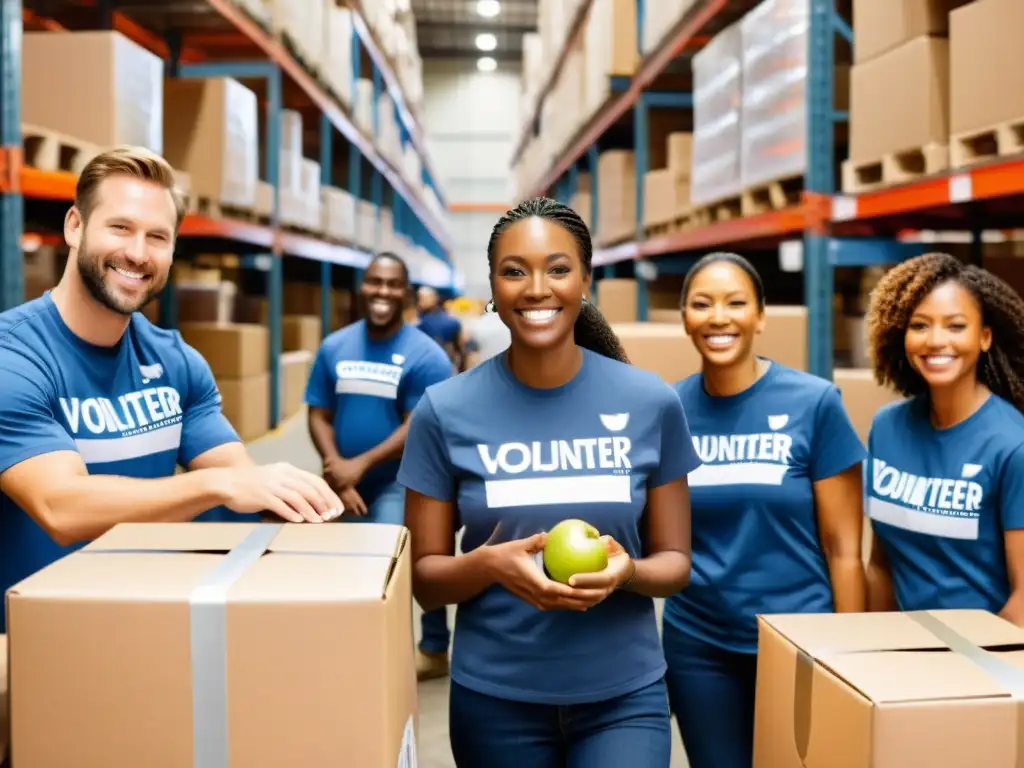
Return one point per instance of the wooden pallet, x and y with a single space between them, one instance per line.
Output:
772 196
52 151
677 223
206 206
895 168
724 210
973 147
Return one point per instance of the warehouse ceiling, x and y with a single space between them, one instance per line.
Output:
449 28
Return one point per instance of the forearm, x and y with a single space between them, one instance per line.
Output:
1013 611
879 589
86 506
661 574
388 449
321 431
440 580
849 584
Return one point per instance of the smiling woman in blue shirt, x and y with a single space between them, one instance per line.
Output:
777 510
946 478
546 674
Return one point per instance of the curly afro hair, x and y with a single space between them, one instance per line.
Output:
902 290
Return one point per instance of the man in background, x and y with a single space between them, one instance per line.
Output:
439 325
98 407
366 380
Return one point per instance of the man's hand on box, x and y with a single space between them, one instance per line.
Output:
288 492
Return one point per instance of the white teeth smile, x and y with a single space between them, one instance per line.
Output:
380 306
129 275
721 340
539 316
938 360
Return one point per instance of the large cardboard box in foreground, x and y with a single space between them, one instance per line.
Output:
256 645
888 690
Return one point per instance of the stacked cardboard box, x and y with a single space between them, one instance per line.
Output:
187 639
610 49
667 189
339 213
301 25
616 196
210 132
986 80
899 91
98 87
337 72
238 355
300 341
660 18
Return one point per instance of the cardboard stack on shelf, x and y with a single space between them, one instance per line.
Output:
301 26
609 50
337 70
659 19
717 103
986 103
667 186
238 354
210 130
616 196
899 92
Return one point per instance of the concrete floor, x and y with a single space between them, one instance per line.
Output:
291 443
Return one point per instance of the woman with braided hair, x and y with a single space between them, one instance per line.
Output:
545 673
946 477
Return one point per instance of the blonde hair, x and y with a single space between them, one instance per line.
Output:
135 162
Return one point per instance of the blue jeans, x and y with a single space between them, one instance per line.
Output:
631 731
389 507
712 696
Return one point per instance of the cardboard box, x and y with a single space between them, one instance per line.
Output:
888 690
900 100
616 196
4 711
161 643
295 368
300 332
617 299
245 403
666 196
233 350
210 131
862 396
99 87
987 65
881 25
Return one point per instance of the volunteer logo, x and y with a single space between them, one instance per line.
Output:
151 372
357 377
775 423
397 359
134 425
750 459
935 506
583 470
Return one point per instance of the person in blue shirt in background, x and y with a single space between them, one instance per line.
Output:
546 674
98 406
365 382
945 485
777 510
438 324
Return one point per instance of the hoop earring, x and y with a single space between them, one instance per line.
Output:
489 306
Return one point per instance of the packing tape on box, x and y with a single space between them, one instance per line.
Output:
1007 675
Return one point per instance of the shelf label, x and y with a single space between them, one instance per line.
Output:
791 255
961 190
844 208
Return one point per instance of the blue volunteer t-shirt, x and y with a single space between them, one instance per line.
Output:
755 538
516 461
440 326
940 500
370 386
136 409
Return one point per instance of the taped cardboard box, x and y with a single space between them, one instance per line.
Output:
889 690
256 645
4 712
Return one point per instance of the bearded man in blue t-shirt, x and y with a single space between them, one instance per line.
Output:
98 407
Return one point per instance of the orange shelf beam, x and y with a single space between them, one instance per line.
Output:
986 182
617 104
277 53
552 77
48 185
776 224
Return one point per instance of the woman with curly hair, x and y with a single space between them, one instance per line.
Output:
946 481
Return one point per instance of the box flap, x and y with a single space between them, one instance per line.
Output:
176 537
347 538
818 633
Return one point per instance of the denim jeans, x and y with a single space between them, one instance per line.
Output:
712 695
631 731
389 507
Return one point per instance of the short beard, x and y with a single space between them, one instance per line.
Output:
91 269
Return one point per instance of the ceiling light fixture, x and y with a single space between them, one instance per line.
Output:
485 41
488 8
486 64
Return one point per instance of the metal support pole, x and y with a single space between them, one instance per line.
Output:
640 160
326 179
12 214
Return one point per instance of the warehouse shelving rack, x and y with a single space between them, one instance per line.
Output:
827 230
202 40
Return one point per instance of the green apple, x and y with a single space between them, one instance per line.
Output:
574 546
